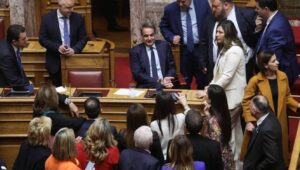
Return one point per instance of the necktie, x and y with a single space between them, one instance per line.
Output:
20 63
153 65
189 31
66 32
260 39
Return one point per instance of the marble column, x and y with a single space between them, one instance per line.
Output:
22 12
141 9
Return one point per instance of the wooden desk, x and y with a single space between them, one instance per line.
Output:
96 55
16 112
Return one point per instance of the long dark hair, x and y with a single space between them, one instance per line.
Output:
230 35
164 108
219 109
136 117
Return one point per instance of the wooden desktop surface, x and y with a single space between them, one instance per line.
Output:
16 112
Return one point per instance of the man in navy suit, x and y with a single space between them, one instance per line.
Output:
277 36
139 157
11 69
182 24
204 149
244 22
62 32
264 148
151 62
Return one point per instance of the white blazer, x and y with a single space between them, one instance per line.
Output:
230 73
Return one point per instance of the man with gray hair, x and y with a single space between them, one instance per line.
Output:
264 148
139 157
151 62
62 32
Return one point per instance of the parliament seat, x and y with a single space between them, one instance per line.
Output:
85 78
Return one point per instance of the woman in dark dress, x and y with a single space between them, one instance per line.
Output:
35 150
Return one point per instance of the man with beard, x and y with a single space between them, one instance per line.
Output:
244 22
151 62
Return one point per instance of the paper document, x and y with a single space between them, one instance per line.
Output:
129 92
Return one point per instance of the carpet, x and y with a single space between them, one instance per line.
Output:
123 74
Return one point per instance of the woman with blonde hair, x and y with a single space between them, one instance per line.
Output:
98 150
36 146
181 155
64 152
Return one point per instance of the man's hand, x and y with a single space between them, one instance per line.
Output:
62 49
176 40
250 127
69 52
73 110
66 50
167 82
258 23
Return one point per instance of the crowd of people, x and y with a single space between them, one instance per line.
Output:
243 61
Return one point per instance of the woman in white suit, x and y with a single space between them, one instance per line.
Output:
229 73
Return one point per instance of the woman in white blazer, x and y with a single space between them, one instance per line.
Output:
229 73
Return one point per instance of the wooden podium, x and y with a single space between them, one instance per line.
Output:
96 55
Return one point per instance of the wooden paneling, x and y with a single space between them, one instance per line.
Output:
4 14
82 7
97 55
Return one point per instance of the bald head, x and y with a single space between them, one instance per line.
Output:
259 106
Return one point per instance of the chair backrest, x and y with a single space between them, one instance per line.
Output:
85 78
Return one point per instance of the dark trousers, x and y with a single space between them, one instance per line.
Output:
56 78
191 66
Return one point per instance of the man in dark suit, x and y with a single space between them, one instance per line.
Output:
62 32
139 157
92 108
182 24
277 36
151 62
244 22
11 69
264 148
204 149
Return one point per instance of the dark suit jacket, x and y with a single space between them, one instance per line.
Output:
170 24
265 148
279 38
133 159
246 21
206 150
140 67
50 37
31 157
10 73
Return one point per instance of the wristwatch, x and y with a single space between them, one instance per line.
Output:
68 101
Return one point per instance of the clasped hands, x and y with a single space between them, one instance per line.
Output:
66 50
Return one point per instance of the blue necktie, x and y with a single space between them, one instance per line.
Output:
66 32
189 31
153 65
20 64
